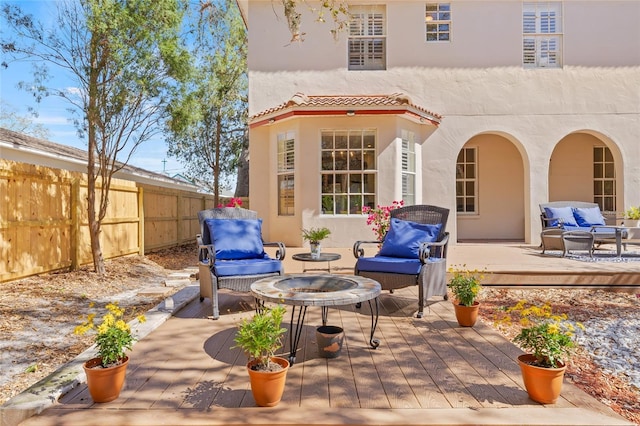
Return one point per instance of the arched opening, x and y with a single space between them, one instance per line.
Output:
584 167
490 182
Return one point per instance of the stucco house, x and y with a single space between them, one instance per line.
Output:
485 107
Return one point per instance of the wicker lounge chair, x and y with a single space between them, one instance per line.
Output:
413 252
230 252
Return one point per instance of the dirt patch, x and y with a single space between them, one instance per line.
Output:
39 314
614 390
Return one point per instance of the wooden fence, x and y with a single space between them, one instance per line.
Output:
44 225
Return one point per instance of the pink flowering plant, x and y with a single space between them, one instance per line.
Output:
380 217
233 202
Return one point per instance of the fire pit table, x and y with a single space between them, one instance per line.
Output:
323 290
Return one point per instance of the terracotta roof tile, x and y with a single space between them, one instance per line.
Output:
329 102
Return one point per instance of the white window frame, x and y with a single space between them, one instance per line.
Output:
286 174
437 22
466 180
542 26
604 178
408 167
367 42
348 172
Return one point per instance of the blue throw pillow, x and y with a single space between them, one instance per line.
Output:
564 213
236 238
588 216
404 238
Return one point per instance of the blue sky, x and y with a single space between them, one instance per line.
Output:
52 111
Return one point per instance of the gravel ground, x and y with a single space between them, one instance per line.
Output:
38 315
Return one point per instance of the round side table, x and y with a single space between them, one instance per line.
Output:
324 257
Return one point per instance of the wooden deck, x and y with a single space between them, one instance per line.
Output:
426 371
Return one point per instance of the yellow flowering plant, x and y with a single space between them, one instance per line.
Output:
465 285
113 334
548 336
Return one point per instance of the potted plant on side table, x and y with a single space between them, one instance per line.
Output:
260 337
315 236
549 340
465 286
106 373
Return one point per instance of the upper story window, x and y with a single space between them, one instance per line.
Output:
467 181
542 34
348 170
286 168
408 168
437 20
367 38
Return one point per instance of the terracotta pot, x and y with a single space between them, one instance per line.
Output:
466 315
267 387
543 384
105 383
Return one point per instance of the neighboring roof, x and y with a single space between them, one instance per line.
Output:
46 153
301 105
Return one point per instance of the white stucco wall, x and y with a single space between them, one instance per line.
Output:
478 84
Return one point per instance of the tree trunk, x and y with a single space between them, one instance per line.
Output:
216 168
242 182
92 119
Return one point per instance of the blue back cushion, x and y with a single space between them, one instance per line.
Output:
404 238
588 216
236 238
564 213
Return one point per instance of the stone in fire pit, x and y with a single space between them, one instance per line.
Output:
316 290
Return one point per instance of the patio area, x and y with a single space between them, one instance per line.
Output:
426 371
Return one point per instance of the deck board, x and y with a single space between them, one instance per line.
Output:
425 371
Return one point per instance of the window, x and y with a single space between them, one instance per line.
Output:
542 34
437 20
348 170
466 181
286 167
367 38
408 168
604 179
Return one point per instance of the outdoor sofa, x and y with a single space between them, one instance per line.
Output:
575 225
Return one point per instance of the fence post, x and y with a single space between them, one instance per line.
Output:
74 238
179 231
141 221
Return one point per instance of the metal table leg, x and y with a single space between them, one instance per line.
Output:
295 332
374 324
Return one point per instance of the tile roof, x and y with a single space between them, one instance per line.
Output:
395 101
21 141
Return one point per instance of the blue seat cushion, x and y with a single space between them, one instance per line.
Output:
564 213
236 238
228 268
404 238
394 265
588 216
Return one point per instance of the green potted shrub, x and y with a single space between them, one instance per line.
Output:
315 236
465 286
259 338
633 213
